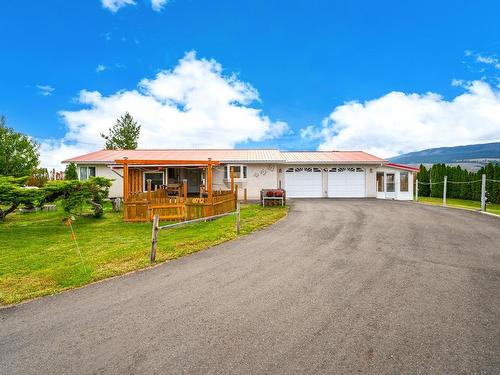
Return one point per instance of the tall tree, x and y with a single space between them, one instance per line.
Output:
19 154
124 134
70 173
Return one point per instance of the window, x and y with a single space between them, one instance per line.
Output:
390 187
380 181
240 171
403 181
86 172
156 180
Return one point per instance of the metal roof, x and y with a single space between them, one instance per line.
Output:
330 157
231 156
222 155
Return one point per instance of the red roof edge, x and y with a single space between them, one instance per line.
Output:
401 166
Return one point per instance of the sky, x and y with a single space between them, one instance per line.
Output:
386 77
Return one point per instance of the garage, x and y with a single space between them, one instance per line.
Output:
303 182
346 182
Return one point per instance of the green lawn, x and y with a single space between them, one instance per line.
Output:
38 257
462 203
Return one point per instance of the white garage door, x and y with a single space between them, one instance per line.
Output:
346 182
303 182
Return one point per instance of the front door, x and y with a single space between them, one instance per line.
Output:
194 180
390 185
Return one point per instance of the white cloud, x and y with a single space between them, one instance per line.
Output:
100 68
193 105
158 5
457 82
115 5
488 60
397 122
45 90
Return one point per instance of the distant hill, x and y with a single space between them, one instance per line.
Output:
470 154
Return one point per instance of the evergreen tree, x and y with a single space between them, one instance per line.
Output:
423 179
124 134
70 172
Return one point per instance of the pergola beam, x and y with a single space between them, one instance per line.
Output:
166 162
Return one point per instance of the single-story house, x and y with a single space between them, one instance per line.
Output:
303 174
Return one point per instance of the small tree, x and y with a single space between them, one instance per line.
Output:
19 154
124 134
13 194
70 172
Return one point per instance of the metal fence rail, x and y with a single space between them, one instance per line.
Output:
157 227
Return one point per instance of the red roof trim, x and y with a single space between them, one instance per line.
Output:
401 166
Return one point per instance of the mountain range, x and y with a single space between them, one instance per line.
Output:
468 154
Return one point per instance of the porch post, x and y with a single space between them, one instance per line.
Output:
125 182
148 182
209 185
185 188
231 174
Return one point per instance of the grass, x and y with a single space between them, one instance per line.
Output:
38 257
462 203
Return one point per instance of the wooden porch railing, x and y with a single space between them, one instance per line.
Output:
141 207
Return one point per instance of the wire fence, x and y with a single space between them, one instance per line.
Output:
484 195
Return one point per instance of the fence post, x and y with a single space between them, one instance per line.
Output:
245 195
444 190
238 221
154 238
416 191
483 192
235 195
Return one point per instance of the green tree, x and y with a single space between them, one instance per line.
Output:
70 172
423 179
75 194
124 134
13 193
19 154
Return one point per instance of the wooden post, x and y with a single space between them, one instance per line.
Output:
444 190
245 195
483 192
154 238
416 191
238 219
231 176
209 186
185 189
236 196
125 182
149 190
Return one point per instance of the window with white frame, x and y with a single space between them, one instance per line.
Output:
240 171
156 180
86 172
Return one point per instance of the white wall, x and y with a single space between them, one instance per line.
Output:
101 170
259 176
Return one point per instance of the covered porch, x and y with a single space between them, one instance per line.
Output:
176 190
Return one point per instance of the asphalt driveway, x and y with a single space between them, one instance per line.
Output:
339 286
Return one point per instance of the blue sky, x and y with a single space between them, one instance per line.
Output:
310 63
